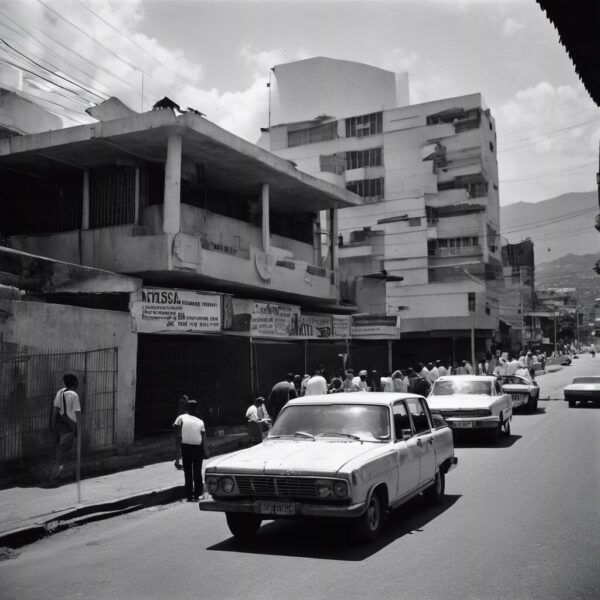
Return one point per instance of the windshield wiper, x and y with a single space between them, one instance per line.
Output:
340 434
304 434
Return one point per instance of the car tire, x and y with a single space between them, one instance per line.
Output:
494 434
507 428
532 404
243 526
435 493
367 527
571 403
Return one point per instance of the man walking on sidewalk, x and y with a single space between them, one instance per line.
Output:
193 449
65 418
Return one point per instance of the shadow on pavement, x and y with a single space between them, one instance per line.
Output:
332 540
479 440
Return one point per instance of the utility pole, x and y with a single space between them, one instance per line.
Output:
554 315
577 324
521 302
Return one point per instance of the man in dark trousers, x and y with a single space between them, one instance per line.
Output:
193 440
280 394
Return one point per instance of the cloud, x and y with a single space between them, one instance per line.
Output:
547 142
399 60
262 60
511 27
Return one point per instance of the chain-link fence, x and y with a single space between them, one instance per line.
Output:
29 380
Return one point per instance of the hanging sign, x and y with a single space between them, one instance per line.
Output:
375 326
166 310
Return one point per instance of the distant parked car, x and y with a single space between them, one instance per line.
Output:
345 456
472 402
583 390
524 391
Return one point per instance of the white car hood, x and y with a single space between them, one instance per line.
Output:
461 401
583 387
296 457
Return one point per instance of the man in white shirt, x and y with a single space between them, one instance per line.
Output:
316 385
432 374
65 419
442 371
192 449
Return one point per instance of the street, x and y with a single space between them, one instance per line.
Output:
521 520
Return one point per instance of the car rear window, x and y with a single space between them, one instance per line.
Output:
462 386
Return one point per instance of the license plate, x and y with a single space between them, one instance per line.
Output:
277 508
462 424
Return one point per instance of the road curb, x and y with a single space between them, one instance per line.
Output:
89 513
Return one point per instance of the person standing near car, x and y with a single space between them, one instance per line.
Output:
193 449
182 407
66 412
282 391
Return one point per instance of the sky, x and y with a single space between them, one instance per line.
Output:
216 56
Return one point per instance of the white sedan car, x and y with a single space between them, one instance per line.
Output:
524 391
472 402
352 456
583 390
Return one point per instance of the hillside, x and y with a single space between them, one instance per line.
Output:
571 271
558 226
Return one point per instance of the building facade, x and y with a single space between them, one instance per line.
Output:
429 179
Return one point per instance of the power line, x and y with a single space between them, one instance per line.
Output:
552 173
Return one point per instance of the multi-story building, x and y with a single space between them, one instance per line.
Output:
429 179
226 290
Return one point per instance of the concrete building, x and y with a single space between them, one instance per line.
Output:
20 116
429 179
223 238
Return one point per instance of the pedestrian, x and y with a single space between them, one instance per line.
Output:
432 374
336 386
592 350
316 384
422 370
360 383
422 386
282 391
347 384
297 384
399 382
193 449
412 379
255 416
182 407
66 412
442 371
303 384
462 369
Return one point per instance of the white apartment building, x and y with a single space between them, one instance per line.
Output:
429 177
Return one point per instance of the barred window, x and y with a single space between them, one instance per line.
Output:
364 158
364 125
367 188
332 163
311 135
112 196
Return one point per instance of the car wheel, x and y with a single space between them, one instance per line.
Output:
368 526
435 492
507 428
494 434
532 404
243 526
571 403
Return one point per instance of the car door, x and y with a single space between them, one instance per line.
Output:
424 439
408 453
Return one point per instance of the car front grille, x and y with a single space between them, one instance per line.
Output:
464 413
284 487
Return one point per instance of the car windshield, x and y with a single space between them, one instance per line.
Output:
351 421
460 386
586 380
511 379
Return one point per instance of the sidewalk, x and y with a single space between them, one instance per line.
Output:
28 513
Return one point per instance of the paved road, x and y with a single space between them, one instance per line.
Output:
522 521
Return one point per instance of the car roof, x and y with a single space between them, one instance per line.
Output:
466 378
375 398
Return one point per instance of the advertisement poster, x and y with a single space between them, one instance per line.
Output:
316 326
263 319
375 326
341 326
162 310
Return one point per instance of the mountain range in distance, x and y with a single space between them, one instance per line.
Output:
557 226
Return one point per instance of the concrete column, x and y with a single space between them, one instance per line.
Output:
172 196
266 231
333 231
136 198
85 206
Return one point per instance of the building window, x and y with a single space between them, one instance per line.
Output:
364 125
451 246
112 196
332 163
311 135
476 185
367 188
414 222
364 158
463 120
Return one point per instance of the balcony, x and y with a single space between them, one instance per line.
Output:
210 250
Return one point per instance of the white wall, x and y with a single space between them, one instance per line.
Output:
71 329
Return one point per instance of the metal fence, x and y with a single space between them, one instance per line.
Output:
29 380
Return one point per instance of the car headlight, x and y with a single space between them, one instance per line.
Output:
212 484
227 485
323 488
340 489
